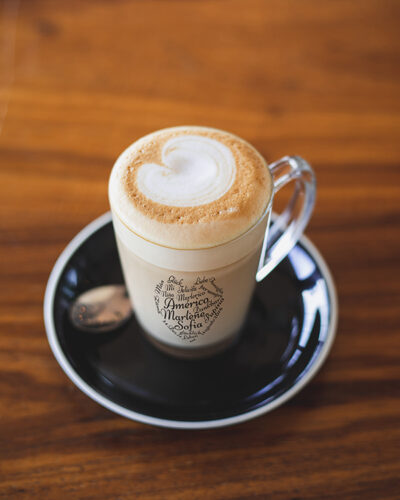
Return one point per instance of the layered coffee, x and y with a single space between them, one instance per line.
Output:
180 199
191 208
190 187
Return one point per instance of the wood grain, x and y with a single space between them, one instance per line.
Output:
319 79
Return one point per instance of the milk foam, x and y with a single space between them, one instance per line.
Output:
195 170
190 187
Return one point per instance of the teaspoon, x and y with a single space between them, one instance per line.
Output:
101 309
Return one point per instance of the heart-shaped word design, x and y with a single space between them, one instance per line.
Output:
196 170
189 311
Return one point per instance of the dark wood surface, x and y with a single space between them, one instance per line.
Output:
79 81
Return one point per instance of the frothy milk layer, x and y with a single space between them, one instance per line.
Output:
190 187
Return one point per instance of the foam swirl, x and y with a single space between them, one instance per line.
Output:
190 187
196 170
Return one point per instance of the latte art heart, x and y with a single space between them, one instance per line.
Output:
190 187
196 170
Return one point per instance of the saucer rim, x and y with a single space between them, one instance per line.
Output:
66 366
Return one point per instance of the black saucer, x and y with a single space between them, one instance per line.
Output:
287 336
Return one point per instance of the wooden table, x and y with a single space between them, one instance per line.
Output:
79 81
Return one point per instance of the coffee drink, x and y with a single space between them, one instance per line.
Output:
190 187
191 209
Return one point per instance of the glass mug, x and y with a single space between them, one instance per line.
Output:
193 303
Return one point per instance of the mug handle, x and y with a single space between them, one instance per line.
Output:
290 224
